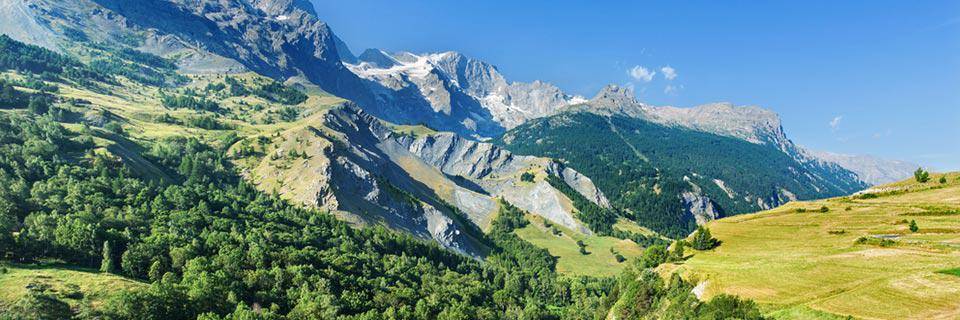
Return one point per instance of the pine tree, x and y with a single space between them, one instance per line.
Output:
702 240
107 265
677 254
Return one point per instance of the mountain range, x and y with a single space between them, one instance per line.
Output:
427 143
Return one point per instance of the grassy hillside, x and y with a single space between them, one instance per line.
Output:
858 258
600 259
76 286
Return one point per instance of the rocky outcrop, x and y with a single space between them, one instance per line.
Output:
699 206
497 172
439 186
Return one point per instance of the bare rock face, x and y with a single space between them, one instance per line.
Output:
699 206
496 171
436 186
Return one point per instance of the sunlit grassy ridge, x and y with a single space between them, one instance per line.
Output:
859 258
73 285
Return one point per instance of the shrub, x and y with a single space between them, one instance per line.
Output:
620 258
114 127
913 226
527 177
824 209
922 176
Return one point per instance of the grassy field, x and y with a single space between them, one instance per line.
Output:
859 258
73 285
599 262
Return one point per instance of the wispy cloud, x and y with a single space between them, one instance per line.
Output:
669 72
835 123
639 73
672 90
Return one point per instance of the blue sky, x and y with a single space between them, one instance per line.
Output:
860 77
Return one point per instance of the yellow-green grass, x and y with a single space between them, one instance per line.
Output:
600 261
63 281
783 258
628 225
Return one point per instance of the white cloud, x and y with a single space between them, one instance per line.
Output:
640 73
835 123
669 72
671 89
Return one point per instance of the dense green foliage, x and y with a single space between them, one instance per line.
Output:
641 293
212 243
189 102
702 239
271 91
49 65
279 93
922 176
643 167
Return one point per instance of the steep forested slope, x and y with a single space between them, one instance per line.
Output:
664 177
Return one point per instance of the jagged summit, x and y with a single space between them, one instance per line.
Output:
450 91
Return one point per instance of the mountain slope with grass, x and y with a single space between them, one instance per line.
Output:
889 252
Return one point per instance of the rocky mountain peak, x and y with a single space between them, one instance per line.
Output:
614 94
378 58
615 100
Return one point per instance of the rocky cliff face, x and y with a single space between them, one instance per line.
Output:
438 186
497 172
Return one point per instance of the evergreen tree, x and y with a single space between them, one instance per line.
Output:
702 240
38 105
107 265
156 271
677 253
913 226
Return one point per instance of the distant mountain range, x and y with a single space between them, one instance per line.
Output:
286 41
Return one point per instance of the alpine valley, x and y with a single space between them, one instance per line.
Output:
234 159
